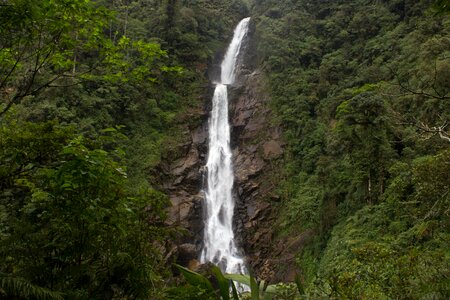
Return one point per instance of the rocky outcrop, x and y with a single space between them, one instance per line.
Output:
257 148
181 178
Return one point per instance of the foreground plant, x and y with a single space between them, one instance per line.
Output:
222 286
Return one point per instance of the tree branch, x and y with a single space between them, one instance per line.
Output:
440 130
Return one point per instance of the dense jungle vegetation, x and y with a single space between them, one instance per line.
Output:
94 94
362 91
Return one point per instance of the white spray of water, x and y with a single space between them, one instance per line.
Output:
219 245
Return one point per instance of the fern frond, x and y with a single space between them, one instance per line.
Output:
22 288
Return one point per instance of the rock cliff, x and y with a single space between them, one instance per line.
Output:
257 150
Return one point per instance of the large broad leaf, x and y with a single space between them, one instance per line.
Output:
224 283
242 279
195 278
254 288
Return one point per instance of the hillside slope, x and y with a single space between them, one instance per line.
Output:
361 90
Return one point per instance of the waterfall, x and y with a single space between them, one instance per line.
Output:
219 245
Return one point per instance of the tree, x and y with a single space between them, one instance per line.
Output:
58 43
41 42
69 223
362 137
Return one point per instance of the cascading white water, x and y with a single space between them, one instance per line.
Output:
219 246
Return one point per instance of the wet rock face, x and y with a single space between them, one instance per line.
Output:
257 149
257 145
182 181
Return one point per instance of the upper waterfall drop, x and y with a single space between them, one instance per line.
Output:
219 245
229 63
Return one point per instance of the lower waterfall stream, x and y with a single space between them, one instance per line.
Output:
219 245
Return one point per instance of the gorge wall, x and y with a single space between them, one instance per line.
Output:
257 152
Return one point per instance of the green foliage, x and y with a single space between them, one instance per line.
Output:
398 248
224 284
40 43
55 44
21 288
93 95
442 6
262 290
205 287
195 279
258 290
361 91
254 289
70 225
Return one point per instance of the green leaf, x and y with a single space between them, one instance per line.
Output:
254 288
298 283
110 129
224 283
234 290
243 279
195 278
